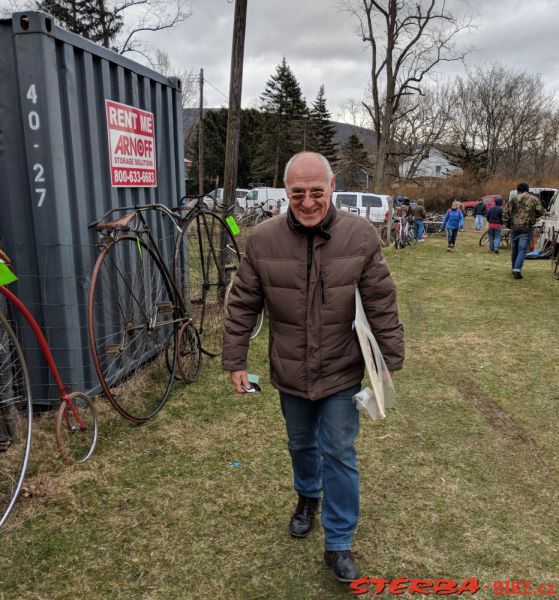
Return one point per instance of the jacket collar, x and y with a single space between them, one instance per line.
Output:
322 229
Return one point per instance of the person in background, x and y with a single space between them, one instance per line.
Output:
480 211
495 224
520 215
305 266
453 221
419 216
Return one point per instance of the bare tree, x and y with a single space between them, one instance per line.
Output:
421 123
119 24
149 15
498 116
189 79
353 112
408 39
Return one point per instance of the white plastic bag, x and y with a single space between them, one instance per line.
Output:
374 401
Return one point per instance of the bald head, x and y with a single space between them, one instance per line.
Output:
308 158
309 183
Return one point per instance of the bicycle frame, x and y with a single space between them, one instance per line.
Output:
145 229
63 389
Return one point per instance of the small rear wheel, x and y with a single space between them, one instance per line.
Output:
76 428
189 356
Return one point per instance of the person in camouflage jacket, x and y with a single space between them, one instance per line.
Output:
520 215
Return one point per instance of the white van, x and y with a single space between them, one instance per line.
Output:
267 196
376 206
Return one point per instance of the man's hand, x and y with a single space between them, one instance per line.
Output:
238 378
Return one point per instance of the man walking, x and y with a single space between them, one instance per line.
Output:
520 215
304 266
480 211
495 225
419 216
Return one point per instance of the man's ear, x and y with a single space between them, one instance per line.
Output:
333 183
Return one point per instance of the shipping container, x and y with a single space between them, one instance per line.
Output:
64 104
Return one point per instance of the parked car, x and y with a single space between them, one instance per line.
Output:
377 206
240 193
358 202
470 205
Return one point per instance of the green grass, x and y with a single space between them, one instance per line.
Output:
461 480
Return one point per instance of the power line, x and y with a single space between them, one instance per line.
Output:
216 89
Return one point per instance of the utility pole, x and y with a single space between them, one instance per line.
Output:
201 137
234 116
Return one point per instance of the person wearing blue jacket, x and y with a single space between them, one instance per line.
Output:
453 221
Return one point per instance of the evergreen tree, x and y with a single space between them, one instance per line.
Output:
285 112
321 130
215 136
90 19
354 162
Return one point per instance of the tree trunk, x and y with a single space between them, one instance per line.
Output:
383 138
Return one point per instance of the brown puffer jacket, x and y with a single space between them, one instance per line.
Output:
314 351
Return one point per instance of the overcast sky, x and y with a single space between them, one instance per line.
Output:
321 47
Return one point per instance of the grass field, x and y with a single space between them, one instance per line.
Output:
461 480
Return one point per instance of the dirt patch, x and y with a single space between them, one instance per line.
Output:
496 416
416 309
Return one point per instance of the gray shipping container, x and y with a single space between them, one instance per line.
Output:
56 176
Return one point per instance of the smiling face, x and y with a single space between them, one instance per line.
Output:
309 189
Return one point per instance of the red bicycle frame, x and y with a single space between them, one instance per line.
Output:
63 389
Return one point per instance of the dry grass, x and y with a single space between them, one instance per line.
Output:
460 481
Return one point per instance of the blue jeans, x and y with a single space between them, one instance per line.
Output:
321 436
479 222
495 238
418 229
520 242
451 236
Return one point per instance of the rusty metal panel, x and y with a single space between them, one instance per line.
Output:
55 173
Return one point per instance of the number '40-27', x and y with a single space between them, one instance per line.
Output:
34 123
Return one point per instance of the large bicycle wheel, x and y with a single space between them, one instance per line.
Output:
15 418
484 239
132 320
206 256
76 428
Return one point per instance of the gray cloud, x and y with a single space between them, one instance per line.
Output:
321 46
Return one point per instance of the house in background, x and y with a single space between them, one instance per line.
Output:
434 165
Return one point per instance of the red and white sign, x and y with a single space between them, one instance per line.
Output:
131 145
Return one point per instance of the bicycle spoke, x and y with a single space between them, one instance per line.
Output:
15 418
131 321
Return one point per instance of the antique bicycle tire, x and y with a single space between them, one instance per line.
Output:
16 413
132 317
76 440
206 257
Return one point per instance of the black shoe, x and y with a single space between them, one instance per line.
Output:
517 274
343 565
302 519
496 251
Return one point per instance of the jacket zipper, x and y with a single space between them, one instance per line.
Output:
310 242
322 288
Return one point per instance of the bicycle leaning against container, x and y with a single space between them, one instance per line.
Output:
141 329
76 418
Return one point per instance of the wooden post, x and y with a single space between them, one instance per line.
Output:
234 115
201 137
